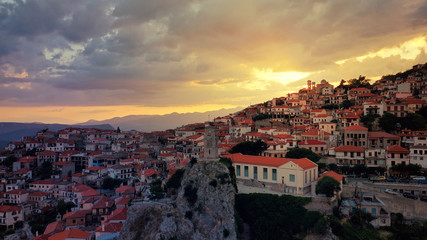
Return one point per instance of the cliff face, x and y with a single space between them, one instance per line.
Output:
203 208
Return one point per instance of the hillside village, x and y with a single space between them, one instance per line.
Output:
82 180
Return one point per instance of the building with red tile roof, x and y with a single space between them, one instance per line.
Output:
71 234
294 175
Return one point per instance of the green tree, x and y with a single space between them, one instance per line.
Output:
118 130
8 162
346 104
328 186
362 81
249 148
303 153
156 189
46 170
62 207
229 164
413 121
175 180
388 122
111 183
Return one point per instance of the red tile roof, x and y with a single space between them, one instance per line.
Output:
118 214
110 227
349 149
8 208
332 174
17 191
76 214
375 135
70 234
270 161
54 227
125 189
356 127
47 182
397 149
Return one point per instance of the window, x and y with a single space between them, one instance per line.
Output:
255 173
246 171
374 211
238 170
274 174
305 177
265 173
364 210
291 178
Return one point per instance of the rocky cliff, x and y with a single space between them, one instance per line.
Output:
203 208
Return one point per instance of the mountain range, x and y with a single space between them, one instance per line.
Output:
13 131
148 123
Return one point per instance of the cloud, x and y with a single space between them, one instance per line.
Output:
154 53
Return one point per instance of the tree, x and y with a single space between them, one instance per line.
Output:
8 162
118 130
111 183
62 207
46 170
328 186
346 104
362 81
249 148
388 122
156 189
413 121
303 153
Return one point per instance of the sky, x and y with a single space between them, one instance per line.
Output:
70 61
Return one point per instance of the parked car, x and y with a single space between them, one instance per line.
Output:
409 195
423 198
422 181
389 179
390 191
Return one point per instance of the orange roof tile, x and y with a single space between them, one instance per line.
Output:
270 161
332 174
70 234
356 127
397 149
349 149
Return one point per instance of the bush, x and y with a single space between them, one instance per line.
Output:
189 215
191 194
226 233
213 183
175 180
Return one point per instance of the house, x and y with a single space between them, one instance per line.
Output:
102 208
289 175
126 191
349 155
108 229
10 215
418 155
313 145
396 155
79 218
42 185
40 198
54 227
16 196
71 234
382 140
65 168
368 203
356 136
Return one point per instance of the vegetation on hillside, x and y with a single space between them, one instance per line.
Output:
303 153
249 148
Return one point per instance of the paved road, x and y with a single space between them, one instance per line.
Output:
27 229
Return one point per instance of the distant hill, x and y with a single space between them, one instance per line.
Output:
147 123
11 131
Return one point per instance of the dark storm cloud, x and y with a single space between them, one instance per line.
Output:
103 48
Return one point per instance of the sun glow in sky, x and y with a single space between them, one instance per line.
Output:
99 59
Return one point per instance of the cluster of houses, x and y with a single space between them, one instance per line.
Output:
82 158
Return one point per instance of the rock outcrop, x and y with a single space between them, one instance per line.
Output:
202 209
